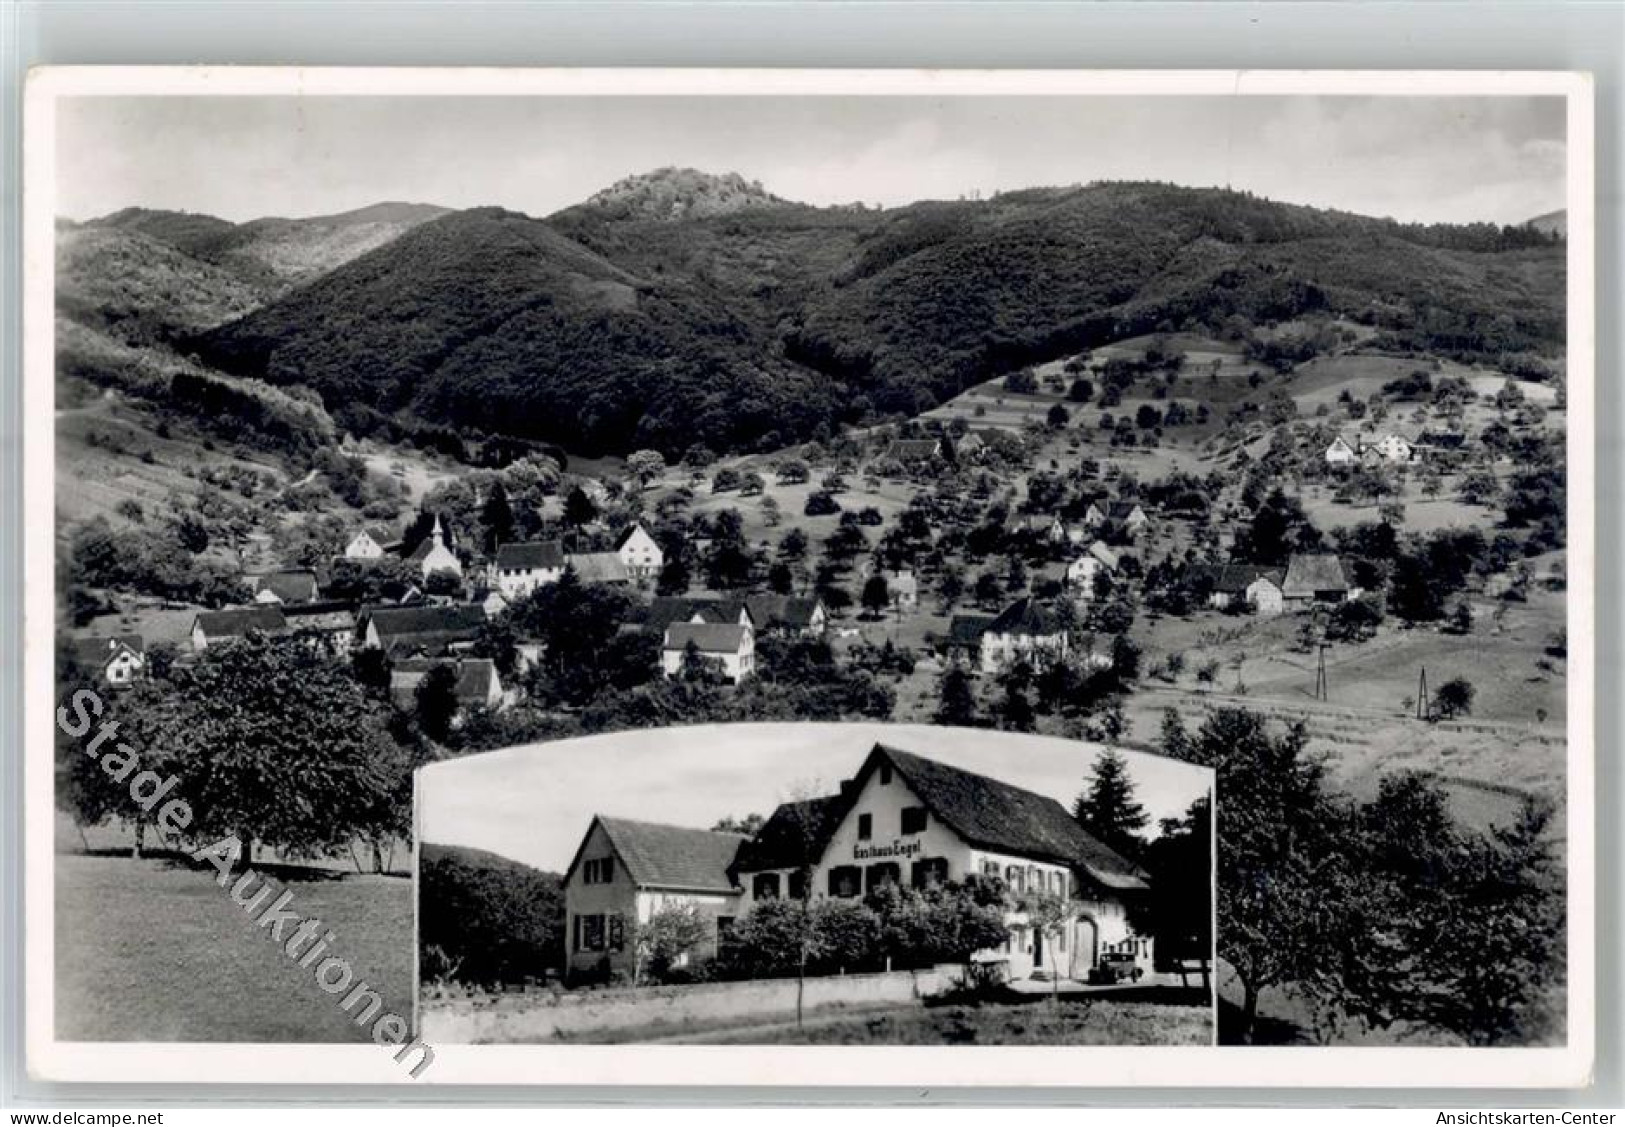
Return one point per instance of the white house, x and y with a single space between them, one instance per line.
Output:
1341 452
121 659
371 543
1264 593
904 590
291 585
902 819
731 645
1129 514
624 871
521 568
1395 449
1081 572
1024 631
640 553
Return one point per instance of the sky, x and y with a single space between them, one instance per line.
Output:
1453 159
534 803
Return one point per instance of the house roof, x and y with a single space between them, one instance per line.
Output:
329 615
627 533
967 629
1121 510
599 567
780 610
1104 554
995 815
535 555
794 835
476 676
292 585
675 857
99 650
456 618
237 621
914 449
1026 616
1443 440
1308 573
667 609
708 637
1232 578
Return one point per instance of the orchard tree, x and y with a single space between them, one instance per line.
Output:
579 509
646 466
246 769
1292 899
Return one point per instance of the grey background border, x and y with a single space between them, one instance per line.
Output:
1511 35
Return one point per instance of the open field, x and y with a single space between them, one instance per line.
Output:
108 452
154 950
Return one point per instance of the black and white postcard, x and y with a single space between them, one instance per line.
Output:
849 577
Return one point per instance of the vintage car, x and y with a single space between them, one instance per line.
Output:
1115 966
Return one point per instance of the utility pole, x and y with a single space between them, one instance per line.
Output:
1422 695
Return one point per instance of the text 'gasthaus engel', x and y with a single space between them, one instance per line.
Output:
301 939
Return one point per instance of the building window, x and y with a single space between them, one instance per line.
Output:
879 876
1015 877
617 933
885 774
592 933
929 872
600 870
798 885
990 867
724 924
845 880
575 933
765 886
913 819
866 826
1057 884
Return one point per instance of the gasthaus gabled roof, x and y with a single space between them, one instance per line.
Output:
997 816
669 857
793 836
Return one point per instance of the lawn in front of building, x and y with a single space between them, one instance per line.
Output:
1076 1020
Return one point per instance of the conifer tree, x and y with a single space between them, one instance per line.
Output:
1107 808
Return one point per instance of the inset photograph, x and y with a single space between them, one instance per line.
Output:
809 883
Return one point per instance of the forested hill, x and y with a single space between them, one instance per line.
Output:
745 321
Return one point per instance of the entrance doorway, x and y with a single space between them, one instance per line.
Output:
1085 947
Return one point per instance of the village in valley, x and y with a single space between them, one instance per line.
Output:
1292 532
1047 570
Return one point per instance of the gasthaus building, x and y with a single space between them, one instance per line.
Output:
901 819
